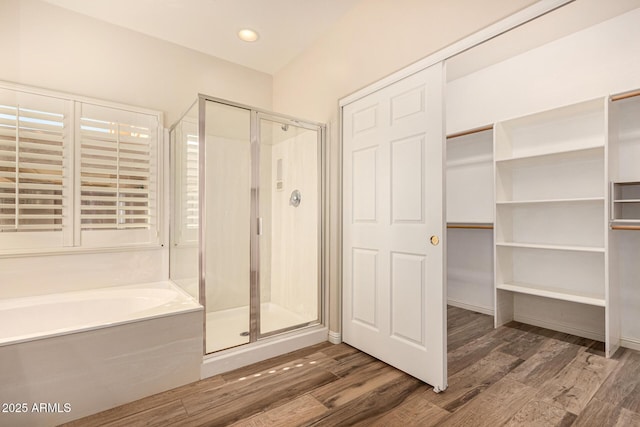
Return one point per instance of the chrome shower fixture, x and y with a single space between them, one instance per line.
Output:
295 198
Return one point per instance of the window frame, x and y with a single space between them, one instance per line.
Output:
70 238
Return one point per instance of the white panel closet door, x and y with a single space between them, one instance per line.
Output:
393 276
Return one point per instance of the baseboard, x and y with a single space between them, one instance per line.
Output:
631 343
335 337
559 327
470 307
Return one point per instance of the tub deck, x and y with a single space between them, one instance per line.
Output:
145 340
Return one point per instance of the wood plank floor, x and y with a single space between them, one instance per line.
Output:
516 375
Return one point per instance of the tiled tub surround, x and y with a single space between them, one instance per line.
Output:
82 352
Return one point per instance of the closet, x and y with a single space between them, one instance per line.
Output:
550 211
543 179
558 188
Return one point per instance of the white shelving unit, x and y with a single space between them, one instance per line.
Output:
625 202
551 240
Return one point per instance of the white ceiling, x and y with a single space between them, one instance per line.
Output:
286 27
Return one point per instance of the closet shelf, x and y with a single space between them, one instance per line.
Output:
555 293
544 157
625 95
626 227
471 225
542 201
470 131
551 247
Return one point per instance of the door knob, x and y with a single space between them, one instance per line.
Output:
434 240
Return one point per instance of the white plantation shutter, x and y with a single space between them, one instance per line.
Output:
118 176
34 175
185 155
76 174
191 198
187 212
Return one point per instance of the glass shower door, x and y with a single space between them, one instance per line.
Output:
289 211
247 225
227 223
185 198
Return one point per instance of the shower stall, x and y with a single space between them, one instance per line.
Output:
247 221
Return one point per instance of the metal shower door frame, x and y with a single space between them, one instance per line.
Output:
257 114
257 118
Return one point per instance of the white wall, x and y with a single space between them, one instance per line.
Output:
228 199
294 274
595 62
37 275
628 249
228 193
470 269
53 48
376 38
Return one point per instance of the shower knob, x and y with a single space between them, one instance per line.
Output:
295 198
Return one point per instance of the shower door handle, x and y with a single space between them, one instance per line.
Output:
259 226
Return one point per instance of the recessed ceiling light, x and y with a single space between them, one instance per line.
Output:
247 35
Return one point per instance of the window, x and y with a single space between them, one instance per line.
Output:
34 141
118 163
88 179
187 190
191 198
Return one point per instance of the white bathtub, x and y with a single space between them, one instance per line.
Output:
68 355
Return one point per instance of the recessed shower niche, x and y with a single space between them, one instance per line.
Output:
238 244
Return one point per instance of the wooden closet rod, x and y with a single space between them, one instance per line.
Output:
625 95
470 131
471 226
625 227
